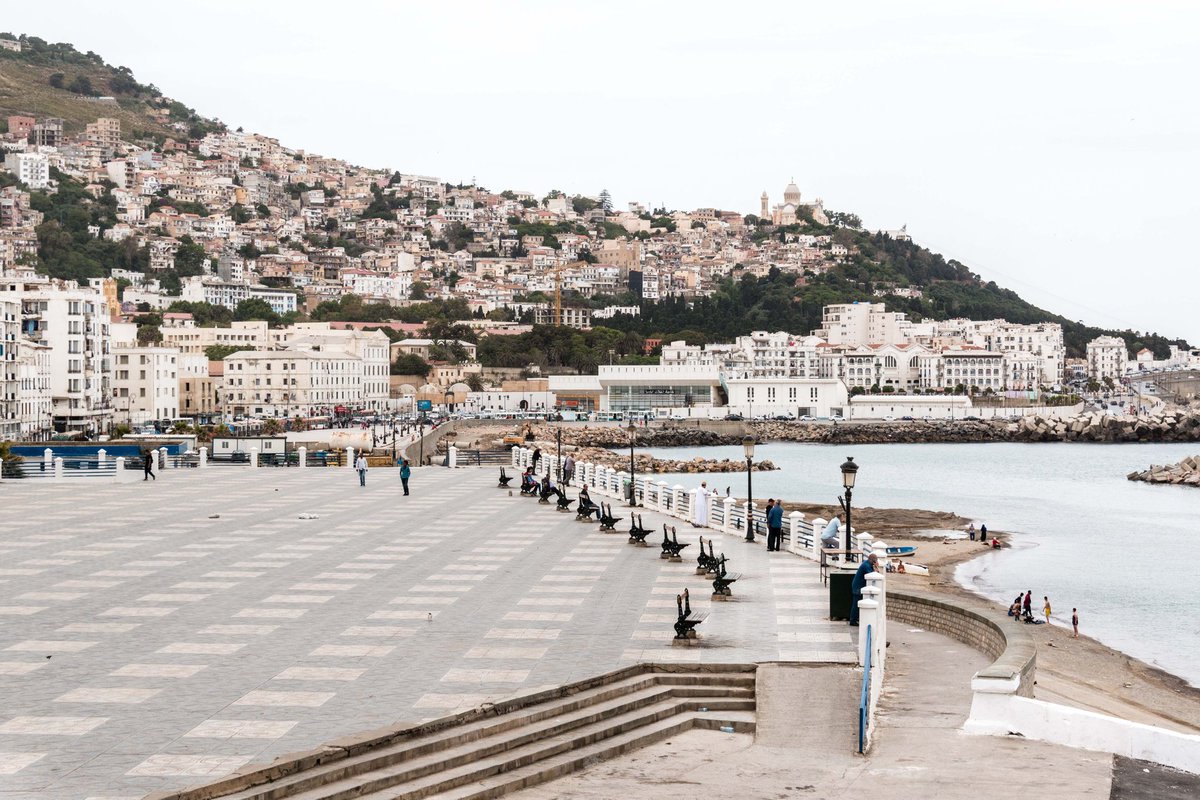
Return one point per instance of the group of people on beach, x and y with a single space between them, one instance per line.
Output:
983 536
1022 611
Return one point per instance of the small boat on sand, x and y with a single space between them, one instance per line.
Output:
901 552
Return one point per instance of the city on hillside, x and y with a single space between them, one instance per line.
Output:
164 282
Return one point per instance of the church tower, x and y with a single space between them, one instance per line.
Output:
764 214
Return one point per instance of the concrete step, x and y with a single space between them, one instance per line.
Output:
553 757
416 757
516 743
578 758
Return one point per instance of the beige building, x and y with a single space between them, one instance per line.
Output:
198 388
284 383
193 341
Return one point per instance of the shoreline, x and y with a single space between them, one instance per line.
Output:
1083 672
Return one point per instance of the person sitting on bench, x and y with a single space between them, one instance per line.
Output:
586 506
529 484
548 488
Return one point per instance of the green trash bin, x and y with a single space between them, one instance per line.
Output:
840 595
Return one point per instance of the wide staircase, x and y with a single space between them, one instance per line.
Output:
500 748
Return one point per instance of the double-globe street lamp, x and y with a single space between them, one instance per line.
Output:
849 471
748 447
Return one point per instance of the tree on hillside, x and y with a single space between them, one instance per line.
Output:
606 201
256 308
57 80
82 85
410 364
418 291
217 352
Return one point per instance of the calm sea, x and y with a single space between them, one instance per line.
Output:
1123 553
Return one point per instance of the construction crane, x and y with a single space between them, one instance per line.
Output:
558 270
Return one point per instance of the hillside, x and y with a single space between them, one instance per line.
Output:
55 80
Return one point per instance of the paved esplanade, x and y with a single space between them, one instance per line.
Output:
145 645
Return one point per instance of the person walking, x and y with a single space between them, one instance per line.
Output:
537 456
971 531
360 466
568 470
148 460
405 473
858 584
1046 608
983 533
1075 623
774 524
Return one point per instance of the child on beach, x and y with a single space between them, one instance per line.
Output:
1046 608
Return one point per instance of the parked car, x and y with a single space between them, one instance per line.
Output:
889 418
807 418
906 418
734 418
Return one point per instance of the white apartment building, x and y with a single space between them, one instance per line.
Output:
286 383
857 324
145 384
1043 340
371 348
35 404
31 169
281 301
377 286
816 397
10 350
1107 357
74 323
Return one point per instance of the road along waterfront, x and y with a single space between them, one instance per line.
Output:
1082 534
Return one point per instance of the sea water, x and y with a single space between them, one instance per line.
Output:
1124 553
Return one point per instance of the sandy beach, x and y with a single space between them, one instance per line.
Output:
1079 672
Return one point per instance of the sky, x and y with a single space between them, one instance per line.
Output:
1051 147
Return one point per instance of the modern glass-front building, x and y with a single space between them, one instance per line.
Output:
645 389
648 398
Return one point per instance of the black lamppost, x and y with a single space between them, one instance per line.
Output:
558 436
632 429
849 471
748 447
421 438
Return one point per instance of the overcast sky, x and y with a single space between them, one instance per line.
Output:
1051 147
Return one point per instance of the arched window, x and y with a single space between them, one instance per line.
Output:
889 361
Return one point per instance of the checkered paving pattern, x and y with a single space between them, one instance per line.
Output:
153 636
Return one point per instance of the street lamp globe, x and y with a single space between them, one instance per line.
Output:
748 446
849 471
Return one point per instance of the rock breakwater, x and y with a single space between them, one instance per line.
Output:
1185 473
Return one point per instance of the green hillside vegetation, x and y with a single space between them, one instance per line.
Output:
790 302
56 80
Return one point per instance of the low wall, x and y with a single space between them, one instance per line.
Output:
1008 644
1002 702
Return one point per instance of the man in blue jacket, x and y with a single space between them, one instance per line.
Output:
774 524
858 584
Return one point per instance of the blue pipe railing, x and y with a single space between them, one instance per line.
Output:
864 697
